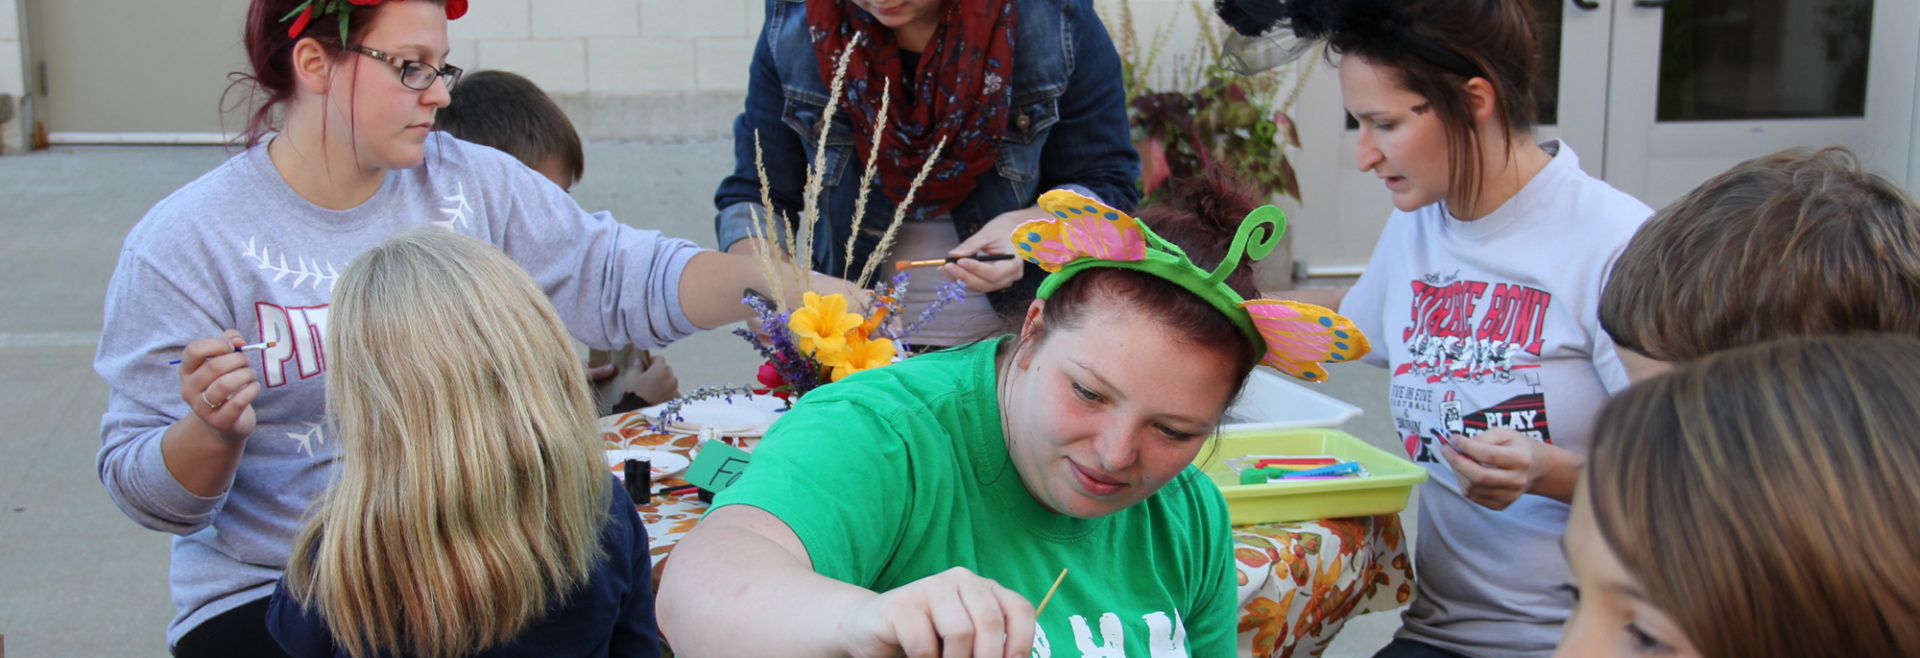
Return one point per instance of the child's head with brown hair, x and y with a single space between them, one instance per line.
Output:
508 112
1759 502
1796 243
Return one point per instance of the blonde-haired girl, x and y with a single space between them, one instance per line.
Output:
1758 503
470 510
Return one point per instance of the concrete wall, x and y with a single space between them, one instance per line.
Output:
13 76
626 69
621 68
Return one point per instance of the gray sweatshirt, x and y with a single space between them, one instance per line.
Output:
238 249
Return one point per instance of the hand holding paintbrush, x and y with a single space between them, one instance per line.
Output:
218 384
995 240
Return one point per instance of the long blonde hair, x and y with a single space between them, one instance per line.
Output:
471 490
1766 498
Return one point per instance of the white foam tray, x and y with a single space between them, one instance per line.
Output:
1271 402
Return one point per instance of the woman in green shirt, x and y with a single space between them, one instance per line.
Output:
921 508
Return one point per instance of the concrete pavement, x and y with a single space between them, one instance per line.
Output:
77 578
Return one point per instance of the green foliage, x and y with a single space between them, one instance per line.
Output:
1197 112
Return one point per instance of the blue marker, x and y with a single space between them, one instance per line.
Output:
1336 470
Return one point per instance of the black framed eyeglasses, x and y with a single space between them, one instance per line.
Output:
415 75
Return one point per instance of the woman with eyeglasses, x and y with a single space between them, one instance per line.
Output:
227 448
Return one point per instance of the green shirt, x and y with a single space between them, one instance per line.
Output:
898 473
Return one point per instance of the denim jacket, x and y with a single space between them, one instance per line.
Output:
1067 127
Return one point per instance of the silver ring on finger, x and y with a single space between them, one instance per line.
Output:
210 404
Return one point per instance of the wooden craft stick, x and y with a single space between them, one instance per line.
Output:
1049 596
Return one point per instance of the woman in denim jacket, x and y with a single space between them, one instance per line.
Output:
1061 122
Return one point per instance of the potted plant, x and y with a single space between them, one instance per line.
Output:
1197 110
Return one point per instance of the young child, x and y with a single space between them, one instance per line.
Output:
1796 243
508 112
472 509
228 448
1758 502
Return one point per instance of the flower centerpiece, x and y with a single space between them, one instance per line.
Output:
823 341
830 336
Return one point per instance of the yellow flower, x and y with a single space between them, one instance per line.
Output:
864 355
822 325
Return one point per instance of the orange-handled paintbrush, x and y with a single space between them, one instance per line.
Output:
936 262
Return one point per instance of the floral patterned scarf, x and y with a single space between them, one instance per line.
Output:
961 92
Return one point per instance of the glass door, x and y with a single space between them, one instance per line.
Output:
1573 44
1698 85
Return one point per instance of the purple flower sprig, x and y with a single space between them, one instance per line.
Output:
777 346
670 413
758 345
946 292
891 296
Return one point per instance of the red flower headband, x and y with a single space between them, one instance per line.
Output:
306 12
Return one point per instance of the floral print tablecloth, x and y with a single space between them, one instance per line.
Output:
1299 582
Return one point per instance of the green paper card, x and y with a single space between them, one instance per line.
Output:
717 467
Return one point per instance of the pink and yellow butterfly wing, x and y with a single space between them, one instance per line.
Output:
1095 229
1040 241
1301 336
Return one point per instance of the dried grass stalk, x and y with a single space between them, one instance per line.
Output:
799 242
764 231
770 267
817 174
900 214
866 180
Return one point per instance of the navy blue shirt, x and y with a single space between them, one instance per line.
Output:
611 616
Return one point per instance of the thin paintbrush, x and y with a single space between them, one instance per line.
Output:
936 262
242 348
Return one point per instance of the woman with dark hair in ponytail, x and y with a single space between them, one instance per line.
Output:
1483 290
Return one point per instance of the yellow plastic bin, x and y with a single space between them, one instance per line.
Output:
1385 490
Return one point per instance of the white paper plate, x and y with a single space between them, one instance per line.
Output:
747 415
663 463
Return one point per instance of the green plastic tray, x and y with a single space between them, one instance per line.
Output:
1390 480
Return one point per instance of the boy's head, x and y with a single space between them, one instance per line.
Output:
510 113
1797 243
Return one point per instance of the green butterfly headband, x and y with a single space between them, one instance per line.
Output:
1293 337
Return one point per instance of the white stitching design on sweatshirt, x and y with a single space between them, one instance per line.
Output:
303 268
458 212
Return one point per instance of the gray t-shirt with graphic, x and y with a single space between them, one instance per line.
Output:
1489 324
